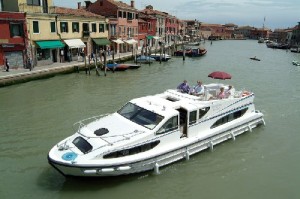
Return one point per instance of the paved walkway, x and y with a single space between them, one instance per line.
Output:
38 69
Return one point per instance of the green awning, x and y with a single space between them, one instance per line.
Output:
50 44
149 37
101 41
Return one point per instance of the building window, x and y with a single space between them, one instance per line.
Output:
36 28
120 14
34 2
101 28
63 26
124 14
52 26
94 28
16 30
85 27
75 26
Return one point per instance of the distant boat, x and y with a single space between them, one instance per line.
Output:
191 52
162 57
254 58
296 63
261 40
144 59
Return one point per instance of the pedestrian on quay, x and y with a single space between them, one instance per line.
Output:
7 65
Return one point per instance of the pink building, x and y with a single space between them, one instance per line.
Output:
123 22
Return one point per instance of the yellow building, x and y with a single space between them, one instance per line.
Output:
57 34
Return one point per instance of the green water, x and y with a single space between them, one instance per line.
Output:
262 164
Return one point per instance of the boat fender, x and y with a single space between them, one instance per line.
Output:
211 145
156 169
187 155
232 136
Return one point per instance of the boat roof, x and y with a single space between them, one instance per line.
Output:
166 103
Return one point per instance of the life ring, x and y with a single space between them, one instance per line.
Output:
69 156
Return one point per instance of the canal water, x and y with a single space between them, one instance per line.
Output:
262 164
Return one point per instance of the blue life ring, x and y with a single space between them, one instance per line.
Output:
69 156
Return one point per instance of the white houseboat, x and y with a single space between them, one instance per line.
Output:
153 131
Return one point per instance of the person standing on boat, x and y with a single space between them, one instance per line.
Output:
221 94
184 87
229 92
198 89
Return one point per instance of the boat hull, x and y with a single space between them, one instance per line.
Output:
154 163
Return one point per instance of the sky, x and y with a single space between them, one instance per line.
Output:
258 13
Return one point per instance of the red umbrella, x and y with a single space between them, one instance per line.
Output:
219 75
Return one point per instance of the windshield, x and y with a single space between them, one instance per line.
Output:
140 116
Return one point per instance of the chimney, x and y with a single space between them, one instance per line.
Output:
132 4
79 5
87 4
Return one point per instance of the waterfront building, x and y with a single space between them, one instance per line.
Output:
295 40
13 37
192 30
257 33
216 31
171 29
81 31
182 29
122 20
147 30
280 35
245 31
160 34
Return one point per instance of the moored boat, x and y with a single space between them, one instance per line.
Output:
153 131
117 67
144 59
162 57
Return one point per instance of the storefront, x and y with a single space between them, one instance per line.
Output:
14 53
75 48
118 45
49 52
100 43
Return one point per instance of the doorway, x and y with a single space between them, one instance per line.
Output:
183 122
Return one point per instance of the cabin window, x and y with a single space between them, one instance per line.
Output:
82 145
203 111
193 117
170 125
132 151
229 117
140 115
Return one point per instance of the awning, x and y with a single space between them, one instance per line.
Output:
74 43
149 37
101 41
118 41
131 41
156 37
50 44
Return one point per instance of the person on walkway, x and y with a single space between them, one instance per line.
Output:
183 87
198 89
7 65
